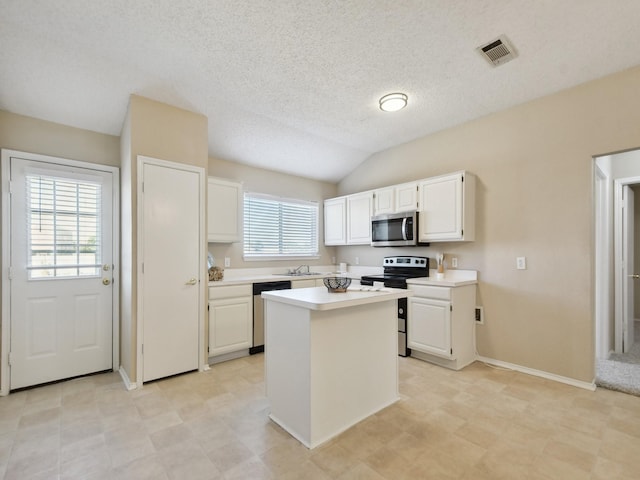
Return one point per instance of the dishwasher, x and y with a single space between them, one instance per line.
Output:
258 311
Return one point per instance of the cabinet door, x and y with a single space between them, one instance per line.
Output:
230 325
441 204
335 221
224 212
359 210
406 197
429 326
307 283
384 201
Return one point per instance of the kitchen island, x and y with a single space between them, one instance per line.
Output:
331 359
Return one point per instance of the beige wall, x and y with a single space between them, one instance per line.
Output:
535 182
636 246
164 132
27 134
265 181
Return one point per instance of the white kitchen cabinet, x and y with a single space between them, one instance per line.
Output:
359 212
406 197
441 323
396 199
306 283
335 221
446 206
224 210
384 201
230 319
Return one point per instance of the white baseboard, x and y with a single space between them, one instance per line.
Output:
128 384
539 373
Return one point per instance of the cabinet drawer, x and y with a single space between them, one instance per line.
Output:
439 293
230 291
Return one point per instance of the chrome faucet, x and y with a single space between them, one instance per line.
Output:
299 269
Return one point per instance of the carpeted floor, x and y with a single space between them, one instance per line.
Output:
621 371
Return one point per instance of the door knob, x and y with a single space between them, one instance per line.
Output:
105 267
106 281
192 281
635 276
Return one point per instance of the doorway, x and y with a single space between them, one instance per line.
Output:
59 306
617 263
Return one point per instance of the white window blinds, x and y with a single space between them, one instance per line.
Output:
63 227
277 227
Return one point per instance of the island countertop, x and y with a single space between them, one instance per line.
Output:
319 298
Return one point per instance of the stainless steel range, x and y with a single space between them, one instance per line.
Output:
396 272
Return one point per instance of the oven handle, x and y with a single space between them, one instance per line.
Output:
404 228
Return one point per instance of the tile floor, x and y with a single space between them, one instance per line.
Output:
480 423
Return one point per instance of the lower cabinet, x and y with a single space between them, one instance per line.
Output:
230 319
441 324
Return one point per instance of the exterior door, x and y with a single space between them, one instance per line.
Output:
171 233
61 292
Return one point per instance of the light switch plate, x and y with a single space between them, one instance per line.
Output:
521 263
227 262
454 262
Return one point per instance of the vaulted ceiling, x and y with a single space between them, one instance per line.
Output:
293 85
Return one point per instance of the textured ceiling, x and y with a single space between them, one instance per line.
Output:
293 85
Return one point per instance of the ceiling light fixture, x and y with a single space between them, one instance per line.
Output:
393 102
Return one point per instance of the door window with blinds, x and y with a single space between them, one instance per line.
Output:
63 223
277 227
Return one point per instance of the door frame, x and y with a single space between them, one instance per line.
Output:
6 253
619 327
141 162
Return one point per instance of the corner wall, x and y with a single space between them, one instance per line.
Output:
164 132
258 180
534 198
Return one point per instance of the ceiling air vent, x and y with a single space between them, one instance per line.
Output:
498 51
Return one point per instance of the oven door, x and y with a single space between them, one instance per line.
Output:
394 230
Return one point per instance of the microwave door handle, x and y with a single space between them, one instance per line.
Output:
404 228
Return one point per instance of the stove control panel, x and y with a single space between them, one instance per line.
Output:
419 262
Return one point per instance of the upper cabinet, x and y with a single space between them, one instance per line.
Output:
224 210
396 199
335 221
347 220
359 211
446 206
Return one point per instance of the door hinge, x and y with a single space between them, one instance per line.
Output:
10 358
10 273
142 349
451 308
451 350
10 187
142 187
142 267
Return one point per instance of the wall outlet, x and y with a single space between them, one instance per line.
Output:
479 316
521 263
357 260
454 262
333 260
227 262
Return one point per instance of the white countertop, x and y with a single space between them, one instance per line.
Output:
319 298
450 278
244 276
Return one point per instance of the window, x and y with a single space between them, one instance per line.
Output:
63 227
277 227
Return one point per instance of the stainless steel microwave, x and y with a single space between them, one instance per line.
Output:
397 229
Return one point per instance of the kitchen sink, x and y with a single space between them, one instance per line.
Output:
298 274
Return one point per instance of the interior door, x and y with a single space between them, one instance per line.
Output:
61 271
171 234
628 268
